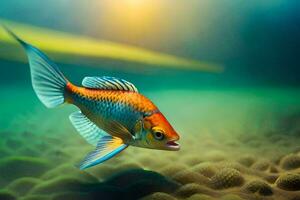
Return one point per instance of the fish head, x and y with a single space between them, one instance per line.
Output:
159 134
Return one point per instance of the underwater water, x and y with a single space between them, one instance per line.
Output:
232 95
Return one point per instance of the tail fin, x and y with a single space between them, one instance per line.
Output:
47 80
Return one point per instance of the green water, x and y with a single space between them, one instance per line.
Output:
39 146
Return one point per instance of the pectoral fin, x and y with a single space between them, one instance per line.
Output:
107 148
116 129
92 133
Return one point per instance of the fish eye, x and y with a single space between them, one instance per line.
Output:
158 135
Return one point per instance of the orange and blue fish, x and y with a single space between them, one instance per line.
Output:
112 113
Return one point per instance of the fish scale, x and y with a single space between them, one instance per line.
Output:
123 106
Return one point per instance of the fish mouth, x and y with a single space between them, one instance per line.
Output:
173 145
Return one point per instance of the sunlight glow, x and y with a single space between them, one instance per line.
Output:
135 17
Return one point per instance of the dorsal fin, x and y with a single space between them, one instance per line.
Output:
108 83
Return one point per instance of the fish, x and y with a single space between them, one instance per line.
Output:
112 113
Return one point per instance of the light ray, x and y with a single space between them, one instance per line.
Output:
61 43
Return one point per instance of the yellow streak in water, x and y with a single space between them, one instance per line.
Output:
81 46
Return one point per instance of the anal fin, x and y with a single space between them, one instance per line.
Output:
107 147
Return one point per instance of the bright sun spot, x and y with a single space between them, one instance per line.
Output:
134 18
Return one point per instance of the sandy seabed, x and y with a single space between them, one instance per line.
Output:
235 163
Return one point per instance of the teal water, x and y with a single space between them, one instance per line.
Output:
39 146
239 129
